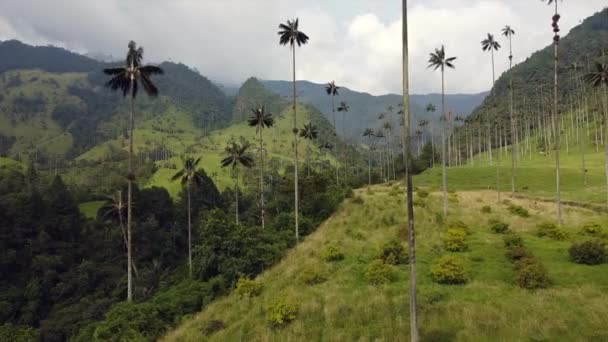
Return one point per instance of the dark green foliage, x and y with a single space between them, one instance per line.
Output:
499 227
486 209
449 270
378 273
16 55
531 274
518 210
591 252
550 230
513 240
393 253
280 313
15 333
517 253
332 253
592 229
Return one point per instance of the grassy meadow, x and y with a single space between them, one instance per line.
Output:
490 307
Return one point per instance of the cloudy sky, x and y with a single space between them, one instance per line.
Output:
355 42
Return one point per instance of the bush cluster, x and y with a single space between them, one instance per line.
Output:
246 287
530 272
422 193
550 230
592 229
449 269
499 227
591 252
519 211
454 240
332 253
312 276
378 273
486 209
393 253
280 313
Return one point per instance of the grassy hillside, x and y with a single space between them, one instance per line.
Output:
346 307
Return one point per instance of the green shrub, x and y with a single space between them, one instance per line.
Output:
439 218
280 313
395 192
513 240
378 273
457 224
332 253
550 230
312 276
246 287
519 211
449 270
531 274
453 240
393 253
486 209
591 252
592 229
419 202
213 326
15 333
422 193
517 253
499 227
358 200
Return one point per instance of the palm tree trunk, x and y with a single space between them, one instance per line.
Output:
236 193
497 127
295 143
409 185
262 176
513 141
606 134
130 199
557 135
369 164
333 115
189 231
443 152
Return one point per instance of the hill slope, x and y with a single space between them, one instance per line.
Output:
346 307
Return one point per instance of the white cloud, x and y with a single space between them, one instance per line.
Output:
355 42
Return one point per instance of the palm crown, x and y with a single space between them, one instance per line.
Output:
599 76
237 155
368 132
438 60
430 107
290 34
332 88
490 44
309 131
133 72
189 174
507 31
343 107
260 119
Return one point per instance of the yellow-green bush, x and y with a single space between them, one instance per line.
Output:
393 253
550 230
312 276
332 253
246 287
592 229
453 240
280 313
449 269
422 193
379 273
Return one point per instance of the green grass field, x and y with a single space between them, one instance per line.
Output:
490 307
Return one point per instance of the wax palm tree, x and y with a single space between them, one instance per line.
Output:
508 32
188 175
438 60
291 35
599 78
409 186
310 133
430 108
344 108
333 90
128 79
556 38
260 120
237 156
369 134
388 127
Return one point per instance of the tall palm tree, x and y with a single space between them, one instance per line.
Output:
438 60
508 32
237 156
127 79
408 175
430 108
188 175
554 119
344 108
291 35
369 134
260 120
599 78
489 44
333 90
310 133
388 127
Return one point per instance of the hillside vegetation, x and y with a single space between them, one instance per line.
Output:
339 299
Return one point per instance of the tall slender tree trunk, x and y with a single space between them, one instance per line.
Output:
369 164
295 143
236 193
130 198
513 140
497 127
333 115
189 230
558 133
606 134
408 176
262 177
444 179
